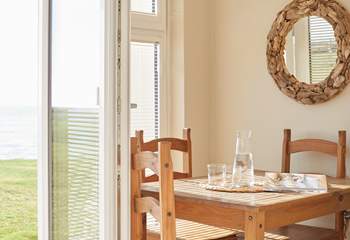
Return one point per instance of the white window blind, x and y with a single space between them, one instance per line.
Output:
322 49
76 174
144 89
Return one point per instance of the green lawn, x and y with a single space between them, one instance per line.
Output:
18 200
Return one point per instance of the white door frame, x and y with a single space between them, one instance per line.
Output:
108 123
124 105
108 126
43 171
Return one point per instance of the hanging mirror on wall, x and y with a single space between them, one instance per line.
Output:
308 52
311 50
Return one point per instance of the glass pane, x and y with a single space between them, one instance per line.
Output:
144 89
77 52
18 119
144 6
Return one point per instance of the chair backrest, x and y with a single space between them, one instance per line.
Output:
164 209
183 145
335 149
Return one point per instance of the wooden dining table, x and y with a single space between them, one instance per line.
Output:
253 213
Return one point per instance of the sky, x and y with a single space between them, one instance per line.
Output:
77 52
18 52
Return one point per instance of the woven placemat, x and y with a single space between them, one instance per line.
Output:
255 189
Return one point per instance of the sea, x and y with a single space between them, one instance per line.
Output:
18 133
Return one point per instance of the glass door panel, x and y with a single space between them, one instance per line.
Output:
18 119
76 74
144 89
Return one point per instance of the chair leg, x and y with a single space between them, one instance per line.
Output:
339 225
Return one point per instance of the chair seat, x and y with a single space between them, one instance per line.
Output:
188 230
268 236
303 232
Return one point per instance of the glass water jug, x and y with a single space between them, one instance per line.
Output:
243 167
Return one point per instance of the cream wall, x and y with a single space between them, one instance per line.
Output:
189 77
176 74
244 96
197 78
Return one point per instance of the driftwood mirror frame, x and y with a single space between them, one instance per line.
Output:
337 80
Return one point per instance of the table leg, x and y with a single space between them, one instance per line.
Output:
254 225
339 225
144 226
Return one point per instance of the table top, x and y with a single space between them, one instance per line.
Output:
190 188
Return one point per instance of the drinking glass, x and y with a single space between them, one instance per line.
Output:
229 168
243 167
217 174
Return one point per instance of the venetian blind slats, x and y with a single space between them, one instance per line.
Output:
145 89
322 49
76 151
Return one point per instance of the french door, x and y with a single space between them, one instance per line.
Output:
78 139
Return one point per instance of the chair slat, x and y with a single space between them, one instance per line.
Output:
313 145
176 144
148 205
145 160
155 178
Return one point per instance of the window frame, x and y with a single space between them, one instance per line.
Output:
149 21
44 172
152 28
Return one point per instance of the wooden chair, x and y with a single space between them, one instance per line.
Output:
167 227
183 145
335 149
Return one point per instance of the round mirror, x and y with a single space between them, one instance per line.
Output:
308 50
311 50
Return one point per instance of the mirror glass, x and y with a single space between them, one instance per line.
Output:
311 50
